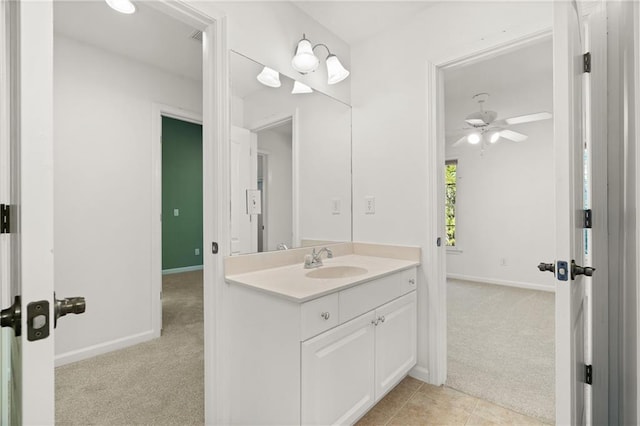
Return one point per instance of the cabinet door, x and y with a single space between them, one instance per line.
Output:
338 373
396 335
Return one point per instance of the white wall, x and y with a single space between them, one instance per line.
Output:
389 116
103 170
278 179
505 199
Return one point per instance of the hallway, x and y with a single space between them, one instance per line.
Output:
156 382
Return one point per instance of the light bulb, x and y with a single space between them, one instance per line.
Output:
269 77
493 135
335 70
122 6
474 138
304 61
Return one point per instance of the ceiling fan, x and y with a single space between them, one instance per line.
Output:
484 128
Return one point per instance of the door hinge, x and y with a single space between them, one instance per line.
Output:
588 374
5 218
588 219
586 61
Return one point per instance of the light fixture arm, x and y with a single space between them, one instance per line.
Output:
323 45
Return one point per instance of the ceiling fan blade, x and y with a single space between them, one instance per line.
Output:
521 119
458 142
514 136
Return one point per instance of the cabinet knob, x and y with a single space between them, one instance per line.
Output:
412 281
374 322
381 318
325 315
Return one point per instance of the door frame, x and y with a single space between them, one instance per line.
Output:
265 195
159 111
436 256
436 344
273 121
216 191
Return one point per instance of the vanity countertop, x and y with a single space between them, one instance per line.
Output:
291 281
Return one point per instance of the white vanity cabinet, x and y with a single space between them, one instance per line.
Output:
349 368
323 361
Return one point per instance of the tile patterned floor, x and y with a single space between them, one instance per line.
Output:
414 402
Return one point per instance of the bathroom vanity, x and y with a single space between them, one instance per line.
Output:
322 345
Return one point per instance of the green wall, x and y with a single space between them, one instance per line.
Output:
181 189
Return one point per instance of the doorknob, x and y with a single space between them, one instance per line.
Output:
70 305
580 270
547 267
12 316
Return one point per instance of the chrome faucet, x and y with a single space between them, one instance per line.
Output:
314 260
282 246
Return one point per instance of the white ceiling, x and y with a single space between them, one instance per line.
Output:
354 21
504 77
148 35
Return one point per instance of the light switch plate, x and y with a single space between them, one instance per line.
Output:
335 206
176 212
370 205
254 201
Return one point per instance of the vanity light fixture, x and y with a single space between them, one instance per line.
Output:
269 77
305 61
122 6
299 88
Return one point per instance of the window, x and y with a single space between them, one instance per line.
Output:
450 180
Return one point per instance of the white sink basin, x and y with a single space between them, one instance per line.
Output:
336 272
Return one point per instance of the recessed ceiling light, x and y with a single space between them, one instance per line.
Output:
122 6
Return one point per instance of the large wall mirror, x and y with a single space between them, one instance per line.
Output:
290 162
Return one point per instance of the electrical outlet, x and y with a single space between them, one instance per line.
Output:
197 252
370 205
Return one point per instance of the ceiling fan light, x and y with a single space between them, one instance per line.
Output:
474 138
122 6
269 77
304 61
299 88
493 136
335 70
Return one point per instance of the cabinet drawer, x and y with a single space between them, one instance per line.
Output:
319 315
408 280
365 297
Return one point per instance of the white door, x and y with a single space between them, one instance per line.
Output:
569 136
27 251
244 176
396 337
337 373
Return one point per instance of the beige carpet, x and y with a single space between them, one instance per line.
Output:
160 382
501 346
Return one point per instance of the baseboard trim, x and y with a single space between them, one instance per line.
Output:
183 269
530 286
103 348
420 373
